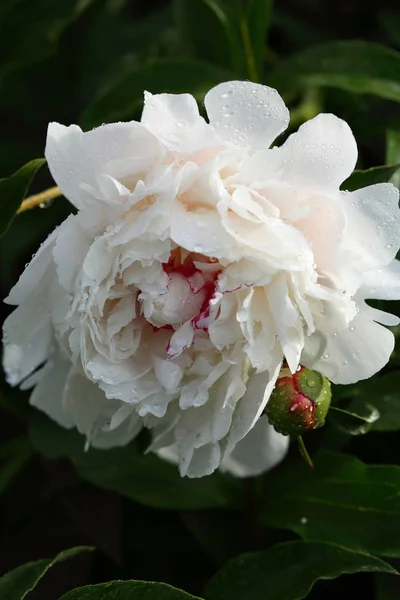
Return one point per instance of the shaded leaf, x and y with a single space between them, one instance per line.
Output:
393 153
144 478
13 190
360 179
246 24
351 422
20 43
383 392
343 501
16 584
287 571
128 590
124 99
355 66
387 587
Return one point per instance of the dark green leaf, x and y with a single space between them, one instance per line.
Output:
128 590
393 153
383 392
21 43
287 571
124 99
360 179
246 25
13 190
391 22
353 423
201 34
387 587
142 477
16 584
355 66
342 501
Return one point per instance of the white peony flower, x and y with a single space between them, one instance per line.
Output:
198 260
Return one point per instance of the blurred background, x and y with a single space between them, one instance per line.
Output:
88 62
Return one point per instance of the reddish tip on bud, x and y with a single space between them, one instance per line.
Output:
299 402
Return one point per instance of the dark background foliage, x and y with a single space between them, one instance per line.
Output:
87 62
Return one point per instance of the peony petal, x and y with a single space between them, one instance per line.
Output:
246 114
260 450
118 149
371 238
48 393
351 355
383 283
27 337
250 407
175 120
34 273
319 156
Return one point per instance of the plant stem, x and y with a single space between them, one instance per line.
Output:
40 199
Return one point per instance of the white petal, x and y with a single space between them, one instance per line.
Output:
27 337
372 235
32 277
118 149
323 151
204 461
48 393
93 413
354 354
246 114
251 406
260 450
320 155
175 119
383 283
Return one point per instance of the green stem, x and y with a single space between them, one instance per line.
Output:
304 452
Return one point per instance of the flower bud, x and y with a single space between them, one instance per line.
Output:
299 402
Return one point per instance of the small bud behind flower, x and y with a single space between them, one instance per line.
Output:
299 402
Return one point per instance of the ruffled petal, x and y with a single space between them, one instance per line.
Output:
259 451
48 393
76 159
356 353
320 156
175 120
246 114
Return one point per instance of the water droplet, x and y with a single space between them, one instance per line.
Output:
325 356
310 383
227 94
352 328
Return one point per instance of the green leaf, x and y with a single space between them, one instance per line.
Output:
393 153
353 423
387 587
246 24
383 392
30 30
16 454
128 590
382 174
342 501
124 99
13 190
355 66
287 571
144 478
16 584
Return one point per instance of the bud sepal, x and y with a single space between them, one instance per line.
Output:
299 402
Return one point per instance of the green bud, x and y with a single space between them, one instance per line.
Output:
299 402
